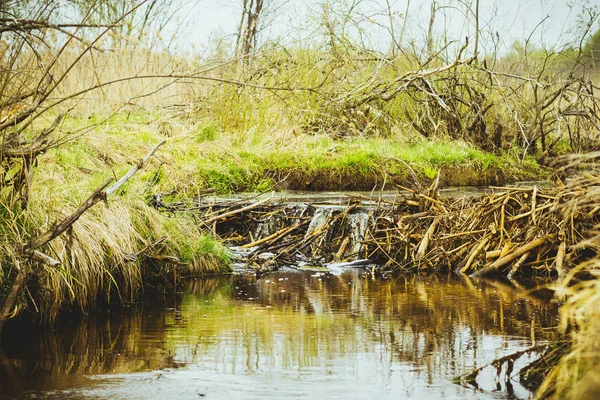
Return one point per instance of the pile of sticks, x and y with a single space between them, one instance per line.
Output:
502 232
509 231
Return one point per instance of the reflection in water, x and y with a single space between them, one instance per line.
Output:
286 335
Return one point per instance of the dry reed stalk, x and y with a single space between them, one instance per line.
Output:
474 254
422 249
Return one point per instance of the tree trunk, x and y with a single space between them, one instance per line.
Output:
430 30
476 50
251 17
238 41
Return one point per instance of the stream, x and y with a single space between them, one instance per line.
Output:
288 334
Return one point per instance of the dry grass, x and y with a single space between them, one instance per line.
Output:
577 374
132 93
336 80
105 256
102 259
100 256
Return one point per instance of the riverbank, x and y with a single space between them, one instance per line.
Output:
200 155
117 249
114 248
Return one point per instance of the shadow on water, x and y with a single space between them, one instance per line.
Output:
285 335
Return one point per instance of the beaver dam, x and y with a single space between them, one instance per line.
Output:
509 231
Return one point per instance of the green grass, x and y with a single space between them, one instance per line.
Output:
201 155
98 255
248 167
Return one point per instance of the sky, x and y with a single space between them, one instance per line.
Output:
202 23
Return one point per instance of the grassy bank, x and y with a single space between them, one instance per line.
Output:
113 249
116 248
201 155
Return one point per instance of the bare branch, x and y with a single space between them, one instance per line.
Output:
99 194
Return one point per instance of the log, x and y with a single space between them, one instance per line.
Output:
532 212
342 250
505 249
234 212
503 216
7 310
533 201
276 235
518 265
560 256
45 259
454 235
493 254
501 262
425 241
474 254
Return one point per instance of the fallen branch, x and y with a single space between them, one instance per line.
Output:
528 213
507 259
560 256
425 242
493 254
133 170
533 203
474 254
95 197
470 377
45 259
276 235
234 212
11 299
60 227
517 265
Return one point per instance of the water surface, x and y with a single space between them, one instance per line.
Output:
303 335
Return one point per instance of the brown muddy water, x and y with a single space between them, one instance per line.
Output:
286 335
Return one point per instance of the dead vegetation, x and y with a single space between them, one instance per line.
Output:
508 231
55 257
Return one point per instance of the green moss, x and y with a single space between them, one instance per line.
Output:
257 168
430 172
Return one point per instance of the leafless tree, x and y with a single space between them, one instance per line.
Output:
248 26
255 16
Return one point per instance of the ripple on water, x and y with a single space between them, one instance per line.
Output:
302 335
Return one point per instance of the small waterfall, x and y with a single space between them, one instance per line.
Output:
357 224
272 225
319 220
318 234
